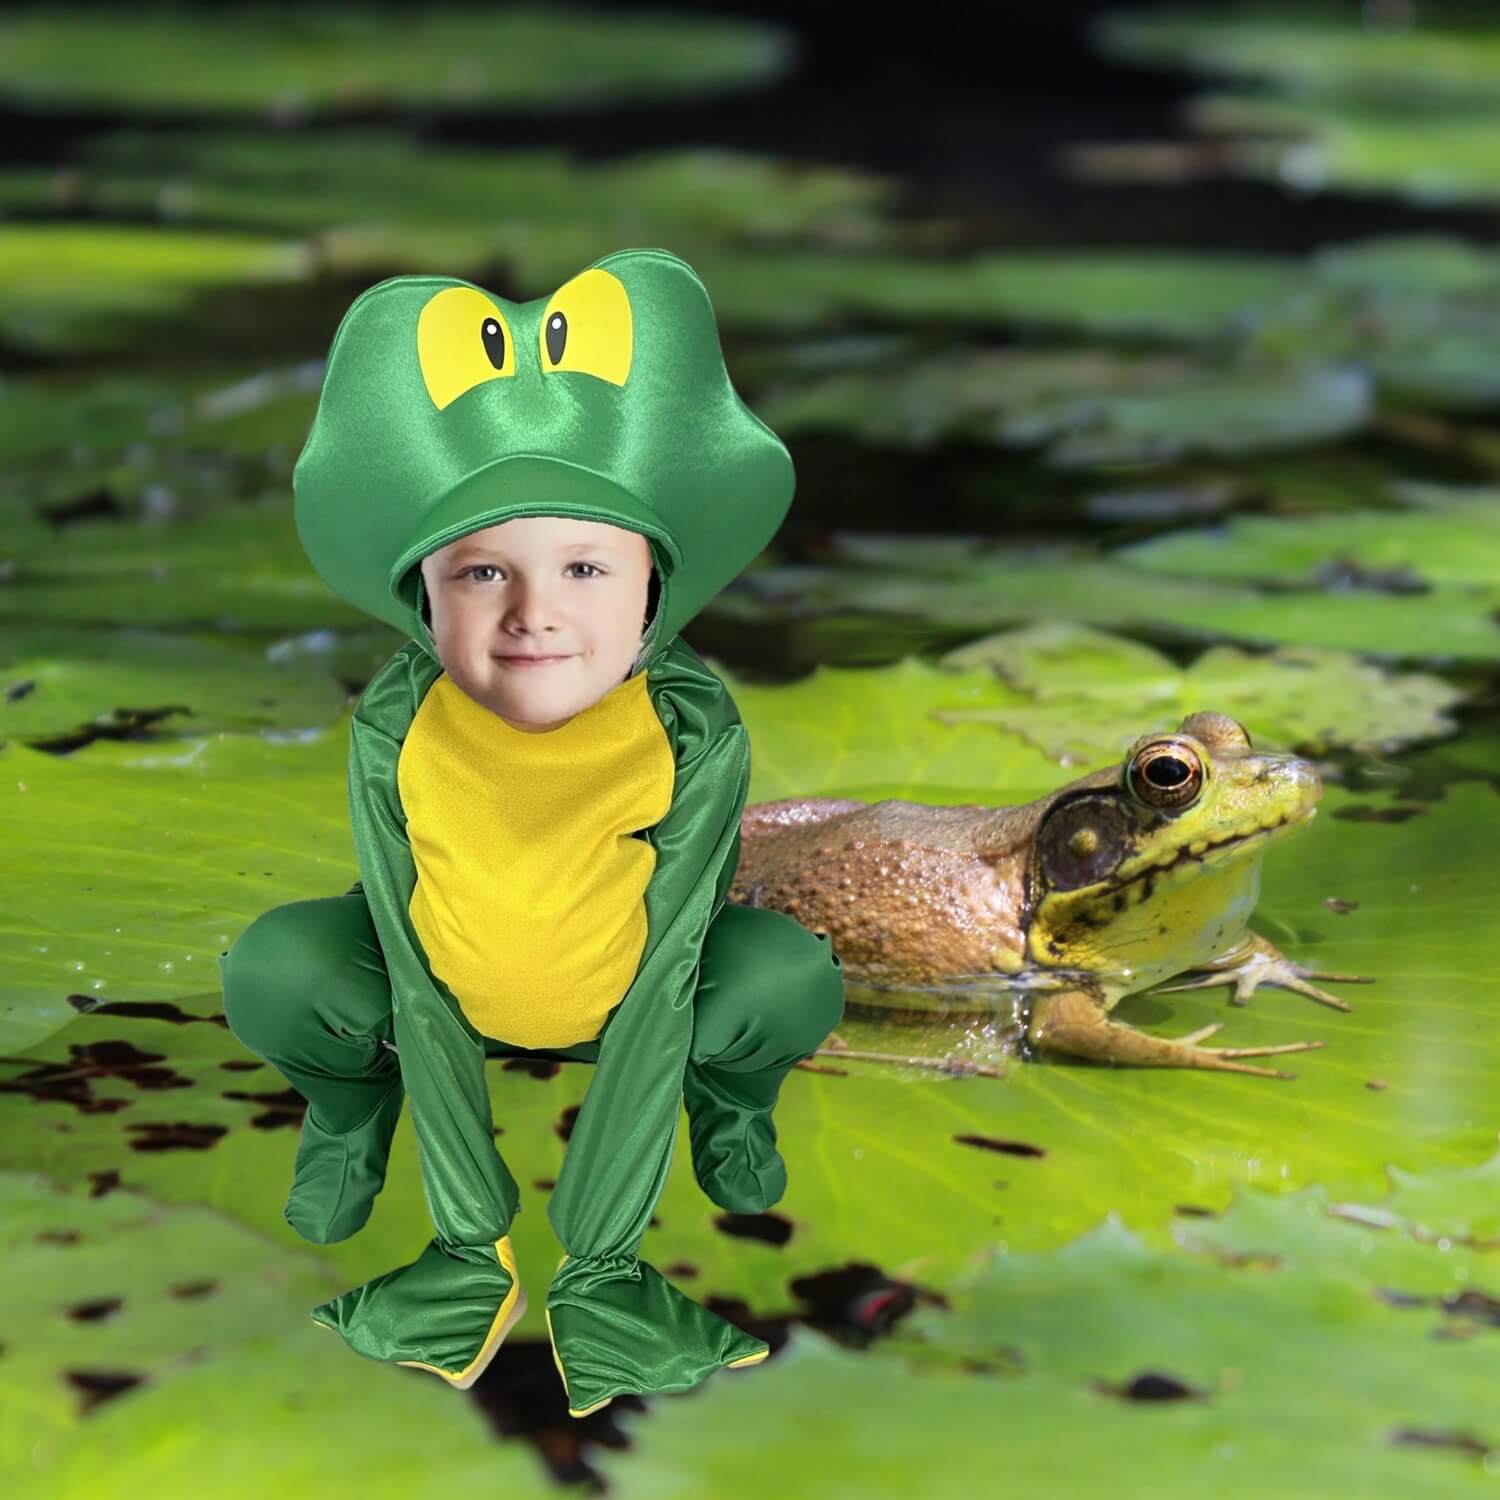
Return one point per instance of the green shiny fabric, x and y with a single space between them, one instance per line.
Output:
617 1326
397 465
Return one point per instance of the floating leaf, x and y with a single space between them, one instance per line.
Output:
167 1349
239 568
59 682
1093 694
92 288
291 60
1087 406
1272 1350
372 199
998 585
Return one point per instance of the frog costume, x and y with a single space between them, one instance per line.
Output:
446 409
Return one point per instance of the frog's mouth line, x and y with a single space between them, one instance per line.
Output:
1206 855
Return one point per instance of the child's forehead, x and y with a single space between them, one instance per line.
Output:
542 534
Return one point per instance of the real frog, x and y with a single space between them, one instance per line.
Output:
1104 888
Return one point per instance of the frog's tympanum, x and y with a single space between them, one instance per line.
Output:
446 409
1104 888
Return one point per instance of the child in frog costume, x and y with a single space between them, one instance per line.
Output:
446 410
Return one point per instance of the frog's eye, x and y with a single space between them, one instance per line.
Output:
1166 774
462 341
587 328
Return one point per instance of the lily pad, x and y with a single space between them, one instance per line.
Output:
871 1147
1320 47
1086 407
993 585
94 288
239 568
164 1348
1270 1349
1092 694
1437 549
57 683
371 199
292 60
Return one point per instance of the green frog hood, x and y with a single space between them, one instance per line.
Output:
446 408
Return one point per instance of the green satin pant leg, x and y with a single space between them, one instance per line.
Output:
769 993
305 988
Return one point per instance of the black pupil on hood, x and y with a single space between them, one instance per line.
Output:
557 337
494 343
1166 770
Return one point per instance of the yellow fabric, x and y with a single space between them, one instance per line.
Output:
530 891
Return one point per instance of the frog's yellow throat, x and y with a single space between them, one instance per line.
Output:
1151 919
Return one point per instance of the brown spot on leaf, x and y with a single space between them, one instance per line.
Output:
568 1119
770 1228
1338 905
193 1289
97 1310
534 1067
98 1386
71 1082
1360 813
177 1135
1464 1442
287 1107
103 1182
1151 1385
991 1143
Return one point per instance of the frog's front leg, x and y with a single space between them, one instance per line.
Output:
1254 962
1077 1022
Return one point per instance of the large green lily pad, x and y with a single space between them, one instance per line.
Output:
60 682
1091 694
1086 407
94 288
1441 552
1283 1346
198 842
1317 46
164 1348
988 585
373 199
288 60
234 568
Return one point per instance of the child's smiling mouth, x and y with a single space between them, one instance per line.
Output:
530 661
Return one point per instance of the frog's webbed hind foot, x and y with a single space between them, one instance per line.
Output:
1075 1022
1256 962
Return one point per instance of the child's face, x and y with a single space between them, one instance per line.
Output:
543 585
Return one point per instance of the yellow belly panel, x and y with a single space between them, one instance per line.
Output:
530 892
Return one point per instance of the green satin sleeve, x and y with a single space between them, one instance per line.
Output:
445 1310
616 1324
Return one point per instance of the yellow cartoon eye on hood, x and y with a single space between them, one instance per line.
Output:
462 340
587 328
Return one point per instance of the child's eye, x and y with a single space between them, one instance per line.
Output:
491 568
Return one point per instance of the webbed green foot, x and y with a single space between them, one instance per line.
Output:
446 1312
619 1327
